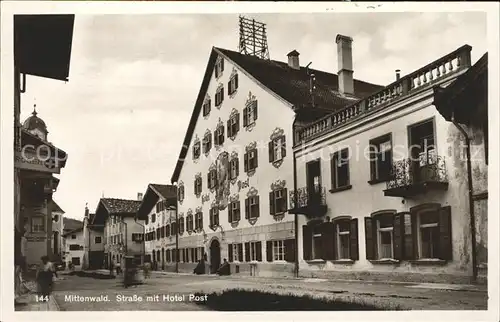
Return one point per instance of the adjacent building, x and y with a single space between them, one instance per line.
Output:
57 232
120 229
380 184
69 224
93 237
75 248
158 213
235 169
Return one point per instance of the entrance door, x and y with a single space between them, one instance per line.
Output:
214 256
314 182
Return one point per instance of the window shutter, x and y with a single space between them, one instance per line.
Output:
235 81
211 219
229 88
369 242
240 252
208 180
445 240
255 110
257 201
414 234
247 252
230 252
216 72
221 139
222 95
271 151
209 141
209 104
283 146
353 235
216 137
272 209
398 235
230 213
307 242
285 197
247 208
245 116
245 162
290 250
237 166
256 152
327 237
237 122
238 217
222 65
229 132
269 251
258 254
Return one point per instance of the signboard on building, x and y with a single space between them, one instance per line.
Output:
28 160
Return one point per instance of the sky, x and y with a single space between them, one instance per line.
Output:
134 79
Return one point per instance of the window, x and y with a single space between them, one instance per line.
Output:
422 141
278 201
277 149
428 230
234 168
235 252
153 218
343 239
219 67
167 231
75 261
219 96
137 237
158 233
278 250
233 125
75 247
212 179
160 206
214 217
197 186
206 107
38 224
234 212
317 249
207 142
189 222
250 114
173 229
250 160
252 207
180 194
381 158
199 221
181 225
147 220
168 255
232 85
384 226
73 236
253 251
97 240
56 218
196 150
340 169
219 135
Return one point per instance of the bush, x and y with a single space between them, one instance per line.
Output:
253 300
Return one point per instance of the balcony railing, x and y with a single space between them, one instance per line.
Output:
310 202
411 177
425 77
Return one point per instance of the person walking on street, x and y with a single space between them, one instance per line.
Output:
45 277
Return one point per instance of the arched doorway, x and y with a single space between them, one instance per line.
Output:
214 256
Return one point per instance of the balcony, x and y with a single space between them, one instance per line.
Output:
309 203
411 177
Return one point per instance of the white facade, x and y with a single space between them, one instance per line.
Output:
118 237
57 234
427 250
160 235
274 120
75 249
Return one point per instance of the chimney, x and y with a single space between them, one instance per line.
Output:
344 55
139 196
398 74
293 59
86 211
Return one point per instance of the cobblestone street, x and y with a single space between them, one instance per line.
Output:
407 296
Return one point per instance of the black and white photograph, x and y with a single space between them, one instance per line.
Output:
250 157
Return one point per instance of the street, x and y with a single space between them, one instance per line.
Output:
165 292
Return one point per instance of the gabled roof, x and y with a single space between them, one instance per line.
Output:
154 192
289 84
114 206
71 224
56 208
80 229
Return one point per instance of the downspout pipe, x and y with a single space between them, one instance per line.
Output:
471 199
296 218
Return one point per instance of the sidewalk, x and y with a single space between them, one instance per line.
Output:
434 286
28 302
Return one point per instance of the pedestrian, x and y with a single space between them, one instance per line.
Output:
147 270
111 268
224 269
45 277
